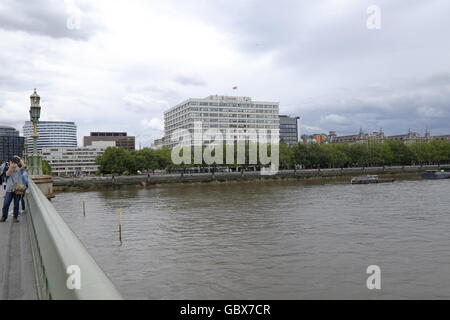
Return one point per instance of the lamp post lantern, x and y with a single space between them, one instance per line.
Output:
35 114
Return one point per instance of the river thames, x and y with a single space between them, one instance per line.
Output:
269 240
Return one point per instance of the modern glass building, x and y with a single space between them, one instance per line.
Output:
235 115
51 134
11 143
289 129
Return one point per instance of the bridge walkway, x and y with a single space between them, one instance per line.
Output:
17 279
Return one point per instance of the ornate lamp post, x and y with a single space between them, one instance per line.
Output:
35 114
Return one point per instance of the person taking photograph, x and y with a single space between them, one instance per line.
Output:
14 188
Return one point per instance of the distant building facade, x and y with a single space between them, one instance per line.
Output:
445 137
379 136
355 138
376 136
121 139
236 115
11 143
289 130
52 134
317 138
75 161
158 143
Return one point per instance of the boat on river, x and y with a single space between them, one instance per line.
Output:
436 174
370 179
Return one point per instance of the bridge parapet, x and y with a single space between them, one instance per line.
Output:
56 251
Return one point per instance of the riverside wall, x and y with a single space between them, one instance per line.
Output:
149 180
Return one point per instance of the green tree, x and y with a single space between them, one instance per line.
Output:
286 156
358 153
401 154
379 154
335 155
46 168
117 161
441 149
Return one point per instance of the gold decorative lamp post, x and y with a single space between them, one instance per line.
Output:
35 113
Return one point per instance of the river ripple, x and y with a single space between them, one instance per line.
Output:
271 240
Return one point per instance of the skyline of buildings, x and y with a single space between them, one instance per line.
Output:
236 114
375 136
52 133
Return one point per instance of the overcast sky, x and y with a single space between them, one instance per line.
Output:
117 65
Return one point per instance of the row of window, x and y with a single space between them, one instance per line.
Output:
234 110
215 118
225 113
184 107
223 104
190 124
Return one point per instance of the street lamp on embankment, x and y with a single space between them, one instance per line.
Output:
44 182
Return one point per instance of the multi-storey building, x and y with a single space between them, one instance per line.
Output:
11 143
121 139
379 136
236 116
410 137
52 134
289 130
158 143
445 137
355 138
75 161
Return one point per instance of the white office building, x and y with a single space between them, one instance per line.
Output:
236 115
75 161
51 134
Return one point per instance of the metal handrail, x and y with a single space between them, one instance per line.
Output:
55 248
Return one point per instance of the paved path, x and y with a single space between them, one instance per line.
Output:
17 280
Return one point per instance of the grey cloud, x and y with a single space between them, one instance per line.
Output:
48 18
395 113
190 81
439 79
347 77
317 36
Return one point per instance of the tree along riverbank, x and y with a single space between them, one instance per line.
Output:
305 155
339 175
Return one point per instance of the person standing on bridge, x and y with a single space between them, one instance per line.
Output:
13 186
26 183
3 169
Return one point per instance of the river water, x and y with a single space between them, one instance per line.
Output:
269 240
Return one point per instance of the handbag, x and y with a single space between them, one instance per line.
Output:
19 189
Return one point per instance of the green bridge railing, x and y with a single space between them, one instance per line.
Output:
64 269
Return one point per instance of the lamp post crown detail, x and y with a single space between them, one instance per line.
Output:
35 109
